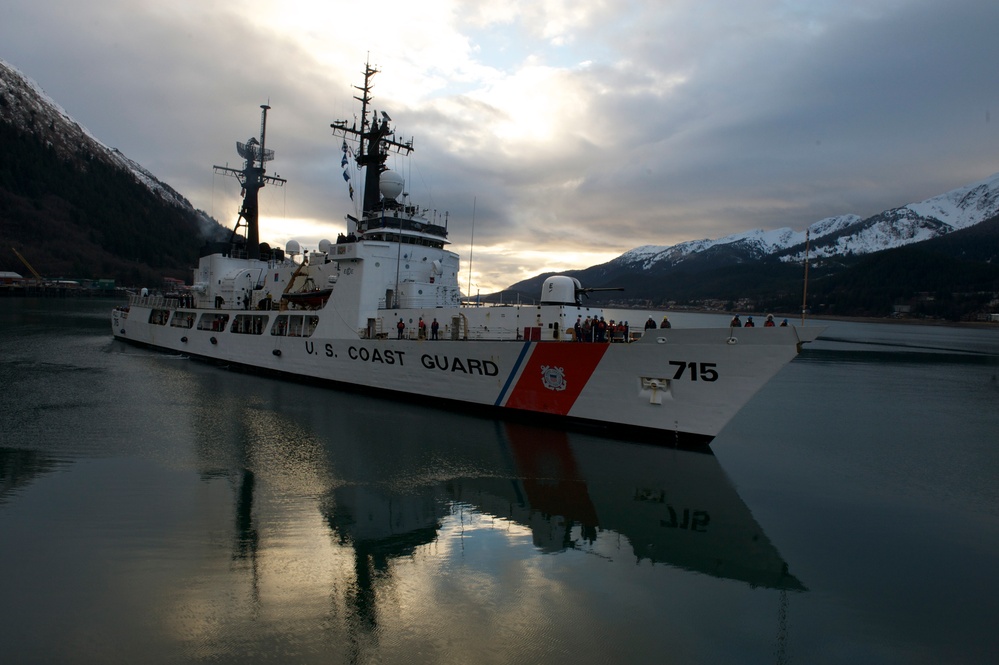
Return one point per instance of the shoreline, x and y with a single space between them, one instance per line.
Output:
796 318
909 321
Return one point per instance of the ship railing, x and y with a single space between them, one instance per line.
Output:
406 302
455 328
418 224
164 302
491 332
147 301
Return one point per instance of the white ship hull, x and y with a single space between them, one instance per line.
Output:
671 386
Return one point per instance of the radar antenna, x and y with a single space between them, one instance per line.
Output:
252 177
375 140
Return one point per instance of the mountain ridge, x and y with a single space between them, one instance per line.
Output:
849 234
80 209
764 269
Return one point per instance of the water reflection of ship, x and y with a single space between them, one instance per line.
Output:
379 527
390 481
674 507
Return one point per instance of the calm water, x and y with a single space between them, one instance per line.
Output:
155 509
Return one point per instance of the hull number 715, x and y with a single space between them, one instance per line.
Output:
704 371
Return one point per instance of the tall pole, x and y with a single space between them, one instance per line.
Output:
398 260
804 295
471 248
254 181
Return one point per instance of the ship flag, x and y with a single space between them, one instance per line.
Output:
345 164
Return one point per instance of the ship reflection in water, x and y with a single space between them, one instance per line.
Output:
259 516
673 507
414 502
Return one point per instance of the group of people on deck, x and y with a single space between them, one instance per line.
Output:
421 329
596 329
769 323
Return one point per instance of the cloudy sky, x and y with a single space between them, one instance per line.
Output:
575 129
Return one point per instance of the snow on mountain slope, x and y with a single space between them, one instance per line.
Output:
28 107
962 207
915 222
755 244
844 234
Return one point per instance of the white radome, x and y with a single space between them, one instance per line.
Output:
391 184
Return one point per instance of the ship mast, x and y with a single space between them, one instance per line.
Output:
375 140
252 178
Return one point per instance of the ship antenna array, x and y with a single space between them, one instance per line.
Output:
375 139
252 177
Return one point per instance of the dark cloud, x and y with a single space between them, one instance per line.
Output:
615 126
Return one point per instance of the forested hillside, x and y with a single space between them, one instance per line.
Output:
952 277
86 217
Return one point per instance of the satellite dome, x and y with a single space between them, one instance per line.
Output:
324 246
390 184
292 248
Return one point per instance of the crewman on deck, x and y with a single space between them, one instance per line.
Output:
665 323
749 322
650 324
434 327
736 322
401 327
769 323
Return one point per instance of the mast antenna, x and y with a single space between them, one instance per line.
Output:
375 138
252 178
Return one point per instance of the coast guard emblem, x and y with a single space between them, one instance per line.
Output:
553 377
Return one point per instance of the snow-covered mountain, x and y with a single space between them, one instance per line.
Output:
839 236
25 105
